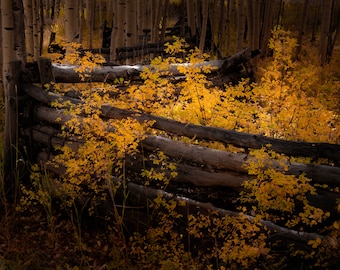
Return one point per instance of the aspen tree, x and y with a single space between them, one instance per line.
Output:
28 11
119 28
7 35
89 17
156 11
302 26
325 34
36 29
71 21
267 26
164 19
240 24
205 12
19 29
191 17
131 26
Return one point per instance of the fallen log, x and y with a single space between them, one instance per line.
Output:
142 195
68 74
207 157
238 139
187 205
197 176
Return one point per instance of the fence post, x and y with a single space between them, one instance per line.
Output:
45 71
11 155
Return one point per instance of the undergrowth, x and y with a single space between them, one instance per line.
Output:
80 219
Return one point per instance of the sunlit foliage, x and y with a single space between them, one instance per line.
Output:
280 104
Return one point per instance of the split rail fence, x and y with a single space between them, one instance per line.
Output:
33 126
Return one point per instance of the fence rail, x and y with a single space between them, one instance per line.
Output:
203 167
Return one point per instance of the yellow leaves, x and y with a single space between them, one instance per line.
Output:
276 195
315 243
178 46
230 236
164 171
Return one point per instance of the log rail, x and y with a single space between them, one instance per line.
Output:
200 166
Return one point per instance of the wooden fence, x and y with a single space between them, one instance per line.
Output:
35 130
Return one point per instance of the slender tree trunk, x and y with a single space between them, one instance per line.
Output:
302 27
42 26
205 13
19 29
131 26
221 21
131 23
57 8
28 11
89 16
325 31
256 23
1 56
191 17
71 21
250 19
109 13
7 37
198 10
11 71
267 26
156 11
315 25
119 29
81 21
240 25
164 19
213 25
36 29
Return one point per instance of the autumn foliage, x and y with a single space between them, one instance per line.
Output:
290 100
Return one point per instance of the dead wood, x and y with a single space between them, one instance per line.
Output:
67 74
195 175
238 139
207 157
187 205
140 195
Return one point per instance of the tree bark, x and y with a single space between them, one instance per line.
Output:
131 27
120 29
11 84
240 24
71 21
267 26
36 29
206 157
19 29
164 20
325 34
191 17
28 12
156 11
302 27
205 14
243 140
7 37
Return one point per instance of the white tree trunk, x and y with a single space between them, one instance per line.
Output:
7 35
205 13
28 11
19 29
71 21
36 29
240 25
325 30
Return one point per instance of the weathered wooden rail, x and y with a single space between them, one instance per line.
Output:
200 166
